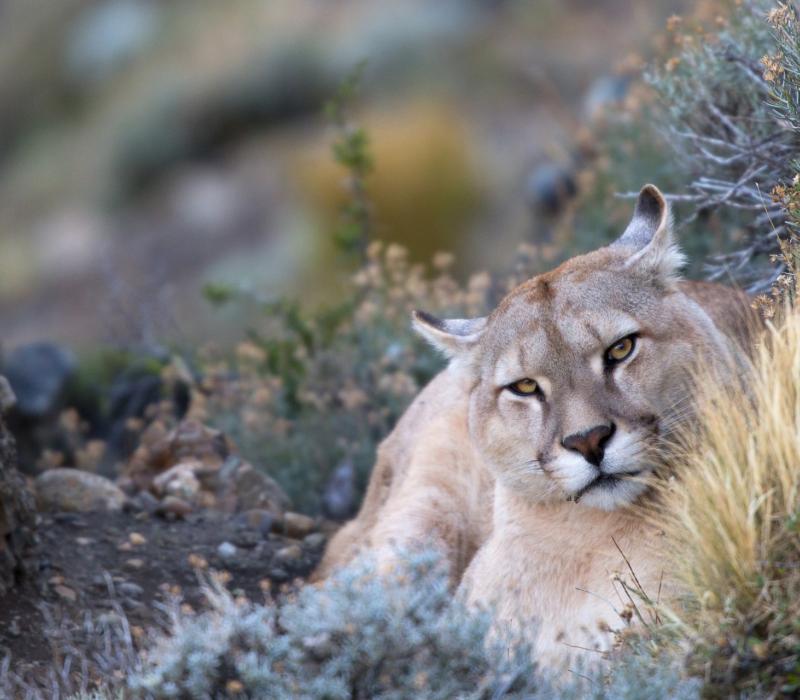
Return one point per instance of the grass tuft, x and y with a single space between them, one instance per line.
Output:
734 522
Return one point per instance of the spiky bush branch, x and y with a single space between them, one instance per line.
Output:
715 106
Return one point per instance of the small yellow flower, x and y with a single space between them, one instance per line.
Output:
773 67
780 16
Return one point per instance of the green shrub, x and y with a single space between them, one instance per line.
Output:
309 389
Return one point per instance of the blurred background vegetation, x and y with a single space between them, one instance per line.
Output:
233 208
149 148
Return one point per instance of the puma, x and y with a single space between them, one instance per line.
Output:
522 460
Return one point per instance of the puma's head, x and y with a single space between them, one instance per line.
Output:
580 371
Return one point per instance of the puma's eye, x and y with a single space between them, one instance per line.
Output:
524 387
620 350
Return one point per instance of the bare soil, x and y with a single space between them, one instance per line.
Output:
91 561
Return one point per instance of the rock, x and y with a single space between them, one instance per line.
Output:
226 550
7 397
278 574
315 540
66 593
256 519
129 397
174 506
548 188
38 374
338 497
297 525
144 501
137 539
293 552
17 517
240 487
247 539
179 481
76 491
109 619
135 563
130 590
160 449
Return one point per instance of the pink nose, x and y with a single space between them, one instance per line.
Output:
590 443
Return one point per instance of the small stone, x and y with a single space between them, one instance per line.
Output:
56 580
175 507
144 501
246 539
239 487
179 481
226 550
297 525
132 604
66 592
109 619
137 539
76 491
256 519
125 546
278 574
84 541
39 373
291 553
315 539
135 563
339 495
131 590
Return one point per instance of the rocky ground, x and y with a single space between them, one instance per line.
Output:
95 565
117 550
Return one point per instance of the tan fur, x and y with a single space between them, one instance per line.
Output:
428 486
473 466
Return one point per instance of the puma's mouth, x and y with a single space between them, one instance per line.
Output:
606 482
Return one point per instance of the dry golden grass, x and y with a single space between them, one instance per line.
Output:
733 518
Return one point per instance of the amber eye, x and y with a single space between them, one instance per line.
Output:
620 350
524 387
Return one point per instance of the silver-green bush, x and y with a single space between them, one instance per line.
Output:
364 636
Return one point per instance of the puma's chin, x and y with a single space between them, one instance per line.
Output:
612 491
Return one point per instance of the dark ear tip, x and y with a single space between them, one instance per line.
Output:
651 200
426 319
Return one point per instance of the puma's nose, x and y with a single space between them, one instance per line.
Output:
590 443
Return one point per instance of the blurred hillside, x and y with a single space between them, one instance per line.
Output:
147 148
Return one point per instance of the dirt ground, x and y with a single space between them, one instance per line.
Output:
93 563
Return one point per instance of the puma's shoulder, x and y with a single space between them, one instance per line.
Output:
427 482
729 308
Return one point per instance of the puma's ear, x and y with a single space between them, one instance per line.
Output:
649 236
451 337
